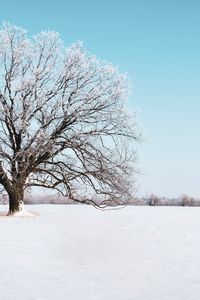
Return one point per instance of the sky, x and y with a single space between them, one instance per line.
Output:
157 43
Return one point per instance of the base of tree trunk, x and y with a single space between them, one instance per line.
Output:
20 212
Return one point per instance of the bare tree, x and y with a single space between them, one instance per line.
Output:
63 125
186 200
153 200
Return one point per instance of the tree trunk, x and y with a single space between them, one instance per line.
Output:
16 200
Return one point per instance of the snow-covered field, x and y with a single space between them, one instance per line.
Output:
80 253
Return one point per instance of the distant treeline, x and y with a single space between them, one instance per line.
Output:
151 200
154 200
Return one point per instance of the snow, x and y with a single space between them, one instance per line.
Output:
21 213
80 253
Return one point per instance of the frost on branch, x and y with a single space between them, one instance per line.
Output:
63 124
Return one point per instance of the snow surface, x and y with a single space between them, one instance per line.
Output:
80 253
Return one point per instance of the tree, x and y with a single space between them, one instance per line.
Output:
63 125
153 200
186 200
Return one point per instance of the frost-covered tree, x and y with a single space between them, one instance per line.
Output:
63 125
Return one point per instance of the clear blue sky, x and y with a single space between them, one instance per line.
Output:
158 44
